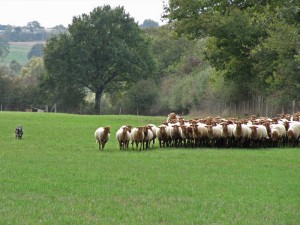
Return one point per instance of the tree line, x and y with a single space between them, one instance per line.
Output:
216 57
33 31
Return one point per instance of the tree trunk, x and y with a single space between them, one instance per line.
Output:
97 101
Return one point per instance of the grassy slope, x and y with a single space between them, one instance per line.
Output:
57 175
18 51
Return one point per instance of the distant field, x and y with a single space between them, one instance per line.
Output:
18 51
57 175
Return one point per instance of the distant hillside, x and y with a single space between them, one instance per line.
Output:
18 51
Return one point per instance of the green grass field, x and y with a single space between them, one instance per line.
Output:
57 175
18 51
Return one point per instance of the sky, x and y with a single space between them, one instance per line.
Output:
50 13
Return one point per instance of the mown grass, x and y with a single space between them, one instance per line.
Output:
57 175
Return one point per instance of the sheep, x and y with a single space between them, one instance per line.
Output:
153 129
162 136
241 133
172 117
137 137
227 134
200 133
278 134
175 134
148 136
185 134
258 135
19 132
123 137
214 134
102 135
293 134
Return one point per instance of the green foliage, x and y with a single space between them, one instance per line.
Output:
58 30
4 48
141 97
56 174
37 32
276 62
167 49
184 95
103 47
15 66
36 51
32 71
18 52
34 26
149 23
253 44
21 92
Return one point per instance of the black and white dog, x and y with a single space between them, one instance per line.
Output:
19 132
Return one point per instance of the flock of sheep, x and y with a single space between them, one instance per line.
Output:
253 132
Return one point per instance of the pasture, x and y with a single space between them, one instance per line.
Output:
18 51
57 175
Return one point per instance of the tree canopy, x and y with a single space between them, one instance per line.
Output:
103 48
254 44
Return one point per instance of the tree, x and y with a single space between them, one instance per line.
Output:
4 48
168 50
142 96
59 29
32 71
15 66
36 50
240 36
277 65
101 48
149 23
34 26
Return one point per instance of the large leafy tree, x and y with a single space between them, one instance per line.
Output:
34 26
101 50
241 40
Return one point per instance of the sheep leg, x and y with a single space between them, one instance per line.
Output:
103 144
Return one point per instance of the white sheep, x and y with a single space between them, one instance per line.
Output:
258 135
123 137
137 137
200 134
214 134
102 135
148 136
278 134
162 135
154 130
241 133
227 134
293 134
172 117
175 134
186 133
